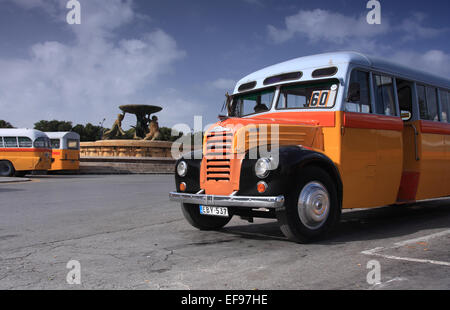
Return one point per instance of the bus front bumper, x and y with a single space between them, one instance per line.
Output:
229 201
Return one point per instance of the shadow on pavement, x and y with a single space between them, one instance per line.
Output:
364 225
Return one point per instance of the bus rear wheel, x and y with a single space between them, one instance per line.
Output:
6 169
203 222
312 207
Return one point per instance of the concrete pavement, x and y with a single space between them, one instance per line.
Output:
126 234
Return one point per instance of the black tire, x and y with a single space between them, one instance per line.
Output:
203 222
6 169
296 227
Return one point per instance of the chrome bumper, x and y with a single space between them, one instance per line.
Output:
229 201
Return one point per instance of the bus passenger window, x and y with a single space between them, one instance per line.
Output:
10 141
422 102
432 104
445 105
25 142
1 142
72 144
427 103
384 95
55 143
358 99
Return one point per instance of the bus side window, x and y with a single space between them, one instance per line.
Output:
445 106
384 95
25 142
10 141
1 142
432 104
55 143
427 103
73 144
358 98
422 102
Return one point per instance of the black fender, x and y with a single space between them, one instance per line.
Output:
291 161
192 178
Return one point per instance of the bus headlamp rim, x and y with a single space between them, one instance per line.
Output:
182 168
262 167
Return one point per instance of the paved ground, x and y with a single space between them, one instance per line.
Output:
13 180
126 234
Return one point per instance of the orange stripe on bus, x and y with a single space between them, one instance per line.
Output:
321 118
372 121
24 150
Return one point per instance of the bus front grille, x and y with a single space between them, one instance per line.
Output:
218 155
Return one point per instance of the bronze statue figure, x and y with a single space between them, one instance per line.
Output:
145 128
116 130
153 130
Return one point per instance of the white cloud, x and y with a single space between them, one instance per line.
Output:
322 25
89 79
412 28
433 61
223 84
335 31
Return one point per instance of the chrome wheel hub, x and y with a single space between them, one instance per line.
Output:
313 205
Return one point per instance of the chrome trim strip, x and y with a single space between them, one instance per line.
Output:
229 201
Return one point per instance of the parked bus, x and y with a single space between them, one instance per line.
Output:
353 132
23 151
65 150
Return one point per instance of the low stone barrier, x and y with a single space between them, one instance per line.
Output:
126 148
126 165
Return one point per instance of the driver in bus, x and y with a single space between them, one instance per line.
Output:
260 107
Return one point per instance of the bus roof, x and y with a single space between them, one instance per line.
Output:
63 135
338 59
22 132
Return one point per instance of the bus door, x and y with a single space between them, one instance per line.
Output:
411 142
371 143
431 145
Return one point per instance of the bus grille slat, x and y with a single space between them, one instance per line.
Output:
218 151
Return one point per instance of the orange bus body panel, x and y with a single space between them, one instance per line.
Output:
27 159
65 160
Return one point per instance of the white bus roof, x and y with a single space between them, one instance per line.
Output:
309 63
63 135
22 132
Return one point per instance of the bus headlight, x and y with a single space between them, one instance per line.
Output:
262 167
182 168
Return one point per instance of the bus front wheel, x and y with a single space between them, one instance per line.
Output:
312 207
6 169
202 222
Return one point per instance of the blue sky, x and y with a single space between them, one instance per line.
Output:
184 55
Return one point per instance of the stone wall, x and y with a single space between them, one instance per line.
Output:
126 148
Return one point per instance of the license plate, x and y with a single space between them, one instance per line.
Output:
214 211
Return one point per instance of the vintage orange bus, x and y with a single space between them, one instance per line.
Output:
65 150
23 151
353 131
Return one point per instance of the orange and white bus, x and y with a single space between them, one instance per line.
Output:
353 132
65 150
23 151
